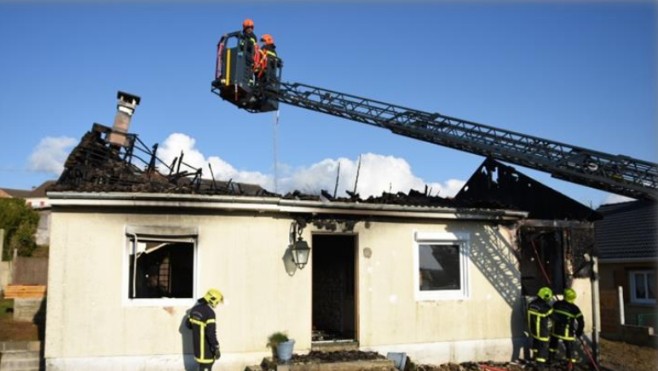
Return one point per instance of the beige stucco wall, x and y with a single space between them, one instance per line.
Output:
90 321
390 314
89 316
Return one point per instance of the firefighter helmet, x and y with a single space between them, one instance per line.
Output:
214 297
247 23
545 293
267 39
570 295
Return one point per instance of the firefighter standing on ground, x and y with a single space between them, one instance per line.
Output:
566 315
539 312
203 324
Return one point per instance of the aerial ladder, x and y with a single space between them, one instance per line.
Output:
618 174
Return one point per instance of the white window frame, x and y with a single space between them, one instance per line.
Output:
164 234
447 238
645 274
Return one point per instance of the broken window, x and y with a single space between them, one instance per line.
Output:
643 287
161 263
441 261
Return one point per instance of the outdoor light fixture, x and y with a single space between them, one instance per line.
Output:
300 249
300 253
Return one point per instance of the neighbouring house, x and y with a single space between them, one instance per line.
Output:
37 199
626 240
443 280
27 270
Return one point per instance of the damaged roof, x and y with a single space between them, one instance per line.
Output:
98 165
498 183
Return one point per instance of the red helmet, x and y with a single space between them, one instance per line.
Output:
247 23
267 39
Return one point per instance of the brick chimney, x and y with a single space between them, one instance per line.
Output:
125 109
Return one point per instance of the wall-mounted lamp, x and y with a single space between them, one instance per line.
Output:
300 249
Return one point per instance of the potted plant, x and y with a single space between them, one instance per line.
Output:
281 346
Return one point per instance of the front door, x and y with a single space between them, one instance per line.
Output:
334 283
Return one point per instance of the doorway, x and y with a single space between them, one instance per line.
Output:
334 288
542 259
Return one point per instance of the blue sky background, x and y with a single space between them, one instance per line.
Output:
581 73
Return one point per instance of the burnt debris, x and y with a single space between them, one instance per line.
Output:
101 164
495 182
98 165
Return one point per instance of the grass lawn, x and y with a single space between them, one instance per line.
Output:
6 308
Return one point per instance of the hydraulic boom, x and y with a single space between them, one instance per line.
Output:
613 173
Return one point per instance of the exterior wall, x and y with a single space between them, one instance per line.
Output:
91 323
583 288
614 275
89 316
479 327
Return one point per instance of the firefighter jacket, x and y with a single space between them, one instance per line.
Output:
539 312
202 322
565 316
249 43
266 60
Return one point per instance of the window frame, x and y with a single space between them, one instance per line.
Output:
164 234
442 238
632 284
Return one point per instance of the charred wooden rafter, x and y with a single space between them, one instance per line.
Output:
97 165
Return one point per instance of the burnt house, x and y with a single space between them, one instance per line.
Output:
556 235
134 243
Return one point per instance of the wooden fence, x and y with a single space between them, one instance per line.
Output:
30 271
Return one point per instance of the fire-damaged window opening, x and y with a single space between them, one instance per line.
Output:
441 266
542 260
160 266
553 256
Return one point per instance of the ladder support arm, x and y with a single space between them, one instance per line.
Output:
612 173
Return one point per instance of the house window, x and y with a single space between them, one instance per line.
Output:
643 287
441 266
161 264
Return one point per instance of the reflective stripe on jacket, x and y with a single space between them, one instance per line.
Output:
565 316
539 312
204 337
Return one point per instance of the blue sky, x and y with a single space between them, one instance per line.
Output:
581 73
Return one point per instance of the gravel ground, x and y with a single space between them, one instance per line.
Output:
614 356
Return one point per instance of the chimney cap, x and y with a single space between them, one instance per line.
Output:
127 97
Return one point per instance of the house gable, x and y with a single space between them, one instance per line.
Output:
498 183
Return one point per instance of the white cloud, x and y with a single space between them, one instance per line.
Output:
612 198
50 154
221 170
378 173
